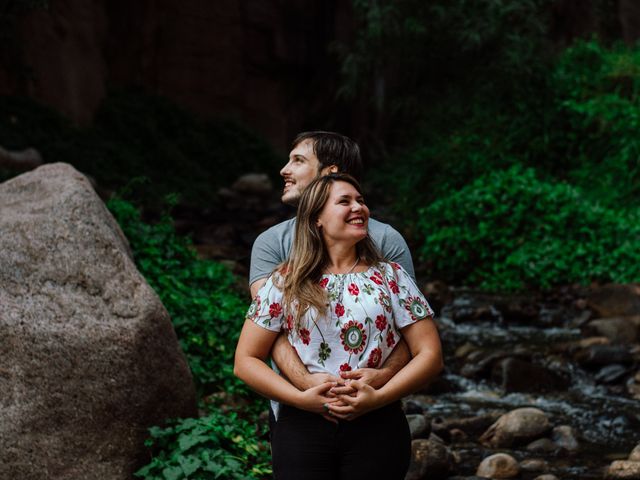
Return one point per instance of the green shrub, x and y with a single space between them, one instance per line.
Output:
598 96
509 230
218 446
206 310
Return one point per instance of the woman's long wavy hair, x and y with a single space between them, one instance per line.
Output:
309 256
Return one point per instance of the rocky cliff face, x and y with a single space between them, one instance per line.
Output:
258 61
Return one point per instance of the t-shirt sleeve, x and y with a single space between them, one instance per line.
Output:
407 301
266 308
264 256
395 249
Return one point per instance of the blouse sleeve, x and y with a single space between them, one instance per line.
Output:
266 308
407 302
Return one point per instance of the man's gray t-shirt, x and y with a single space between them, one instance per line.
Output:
272 247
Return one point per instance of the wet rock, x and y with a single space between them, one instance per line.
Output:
472 477
89 359
472 426
542 445
253 184
419 426
634 456
599 355
411 407
497 466
611 373
429 459
633 386
585 343
614 300
515 375
623 469
565 437
516 427
616 329
457 436
546 476
479 363
582 319
534 465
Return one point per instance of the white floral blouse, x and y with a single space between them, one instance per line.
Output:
361 328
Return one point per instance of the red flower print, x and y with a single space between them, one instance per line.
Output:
395 266
374 358
385 301
289 322
394 286
305 336
381 322
353 337
345 367
275 310
391 341
339 310
376 278
323 282
417 308
353 289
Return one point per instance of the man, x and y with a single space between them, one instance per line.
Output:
314 154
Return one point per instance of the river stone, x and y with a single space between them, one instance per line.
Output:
88 357
534 465
516 427
633 386
430 458
470 425
616 329
499 465
253 184
599 355
565 437
419 426
615 300
623 469
542 445
634 456
611 373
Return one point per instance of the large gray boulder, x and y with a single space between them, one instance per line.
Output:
88 357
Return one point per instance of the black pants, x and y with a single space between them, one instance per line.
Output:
305 446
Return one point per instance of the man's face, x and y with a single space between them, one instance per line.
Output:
301 169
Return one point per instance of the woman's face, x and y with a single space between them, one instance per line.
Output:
344 217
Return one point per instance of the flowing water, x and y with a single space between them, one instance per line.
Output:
606 419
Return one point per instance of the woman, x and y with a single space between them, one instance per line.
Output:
343 308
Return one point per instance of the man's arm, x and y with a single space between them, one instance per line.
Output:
378 377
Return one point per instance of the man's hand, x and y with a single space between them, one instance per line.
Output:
349 407
373 377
